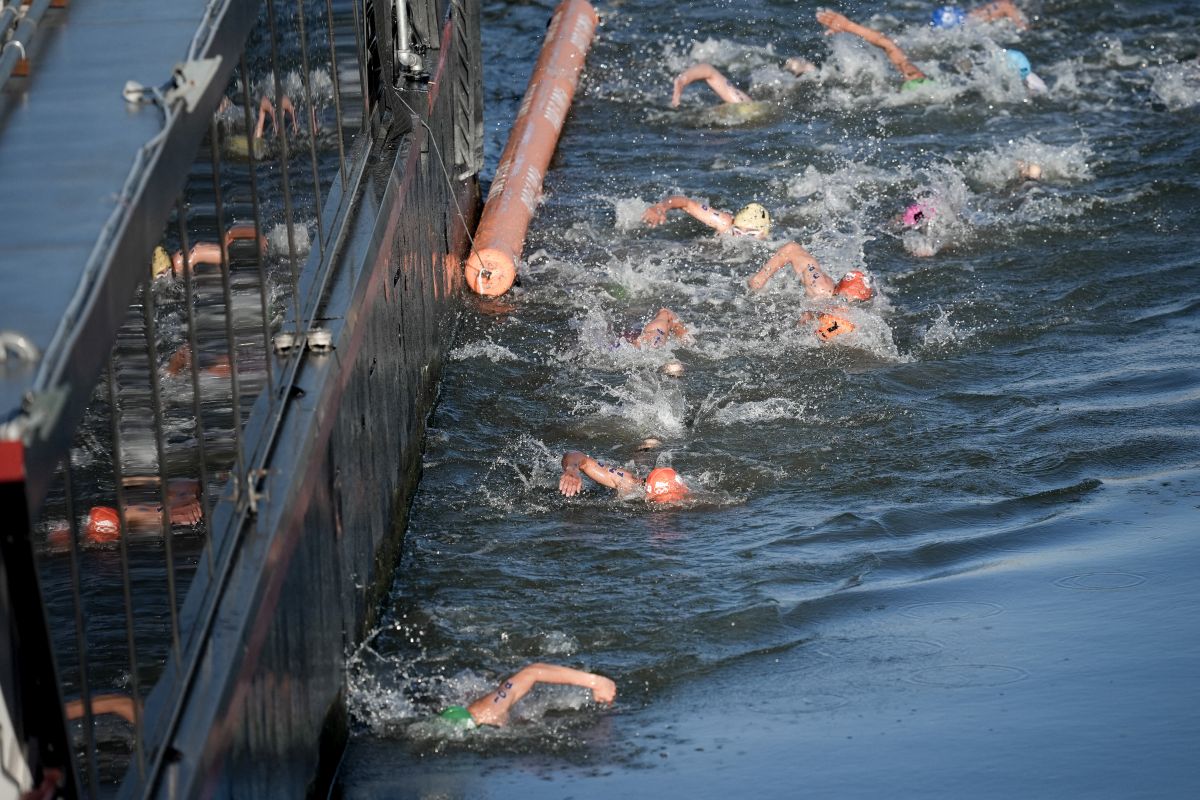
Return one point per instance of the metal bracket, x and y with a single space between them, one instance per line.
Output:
190 80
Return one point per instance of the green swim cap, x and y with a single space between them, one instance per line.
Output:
909 85
458 716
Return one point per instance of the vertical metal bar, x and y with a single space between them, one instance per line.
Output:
194 368
263 296
227 293
306 81
360 52
119 490
85 688
337 92
281 135
151 333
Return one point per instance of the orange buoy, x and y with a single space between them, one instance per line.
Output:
492 265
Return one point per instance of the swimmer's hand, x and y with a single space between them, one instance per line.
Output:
655 215
758 281
603 690
570 483
833 21
677 91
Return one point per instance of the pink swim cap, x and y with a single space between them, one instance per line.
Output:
917 213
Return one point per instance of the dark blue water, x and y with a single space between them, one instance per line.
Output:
952 554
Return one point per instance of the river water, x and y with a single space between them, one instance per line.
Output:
952 553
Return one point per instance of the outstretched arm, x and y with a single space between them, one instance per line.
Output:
265 109
119 704
836 23
575 462
808 270
244 231
713 77
656 214
1000 9
202 253
492 709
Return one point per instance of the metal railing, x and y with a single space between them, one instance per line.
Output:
149 485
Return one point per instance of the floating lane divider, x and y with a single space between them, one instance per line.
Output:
517 187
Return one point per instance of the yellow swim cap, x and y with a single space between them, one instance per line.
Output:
160 262
753 219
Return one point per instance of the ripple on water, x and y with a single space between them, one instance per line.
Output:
962 676
1101 581
875 649
951 610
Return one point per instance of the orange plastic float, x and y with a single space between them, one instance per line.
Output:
492 265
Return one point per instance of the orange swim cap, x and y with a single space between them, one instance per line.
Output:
830 326
663 485
854 284
103 525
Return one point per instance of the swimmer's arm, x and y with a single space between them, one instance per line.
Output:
201 253
118 704
493 708
265 109
288 110
713 77
664 325
808 270
837 23
245 231
719 220
1001 9
575 462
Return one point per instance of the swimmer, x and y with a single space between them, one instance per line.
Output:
659 330
208 253
1029 171
953 16
662 485
721 85
181 360
103 523
837 23
493 708
752 220
854 285
799 66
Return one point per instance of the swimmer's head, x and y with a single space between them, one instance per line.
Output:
673 369
947 17
160 262
912 83
103 525
663 485
1020 62
458 716
753 220
918 213
854 284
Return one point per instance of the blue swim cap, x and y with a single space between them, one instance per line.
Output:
947 17
1018 60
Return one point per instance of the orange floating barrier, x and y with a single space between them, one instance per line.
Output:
492 265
